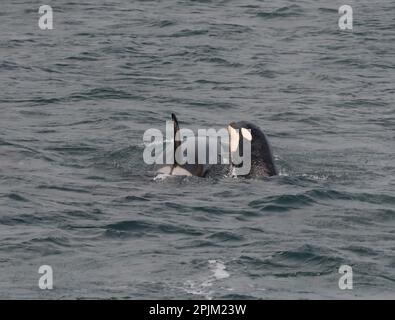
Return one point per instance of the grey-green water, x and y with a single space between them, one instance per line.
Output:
74 190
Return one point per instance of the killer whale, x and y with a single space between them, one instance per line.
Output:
188 169
262 160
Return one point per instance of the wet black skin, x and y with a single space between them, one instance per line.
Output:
262 160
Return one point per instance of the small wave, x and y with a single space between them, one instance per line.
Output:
50 245
285 202
138 228
384 215
328 10
219 61
343 195
284 12
361 250
189 33
101 93
62 188
93 94
17 197
163 23
134 199
23 219
306 260
53 240
282 202
85 56
10 65
225 236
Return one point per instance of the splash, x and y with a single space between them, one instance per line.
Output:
161 176
204 287
219 270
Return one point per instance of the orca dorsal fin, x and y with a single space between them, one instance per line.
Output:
177 139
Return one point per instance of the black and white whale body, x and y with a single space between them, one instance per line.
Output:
189 169
262 162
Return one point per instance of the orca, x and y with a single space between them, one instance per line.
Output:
262 161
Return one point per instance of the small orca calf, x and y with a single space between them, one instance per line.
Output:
262 162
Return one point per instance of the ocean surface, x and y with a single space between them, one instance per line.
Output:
75 193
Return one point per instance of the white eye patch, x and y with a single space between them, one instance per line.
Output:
246 133
233 138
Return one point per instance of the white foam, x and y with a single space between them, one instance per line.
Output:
283 173
199 289
315 177
233 173
161 176
204 286
219 270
